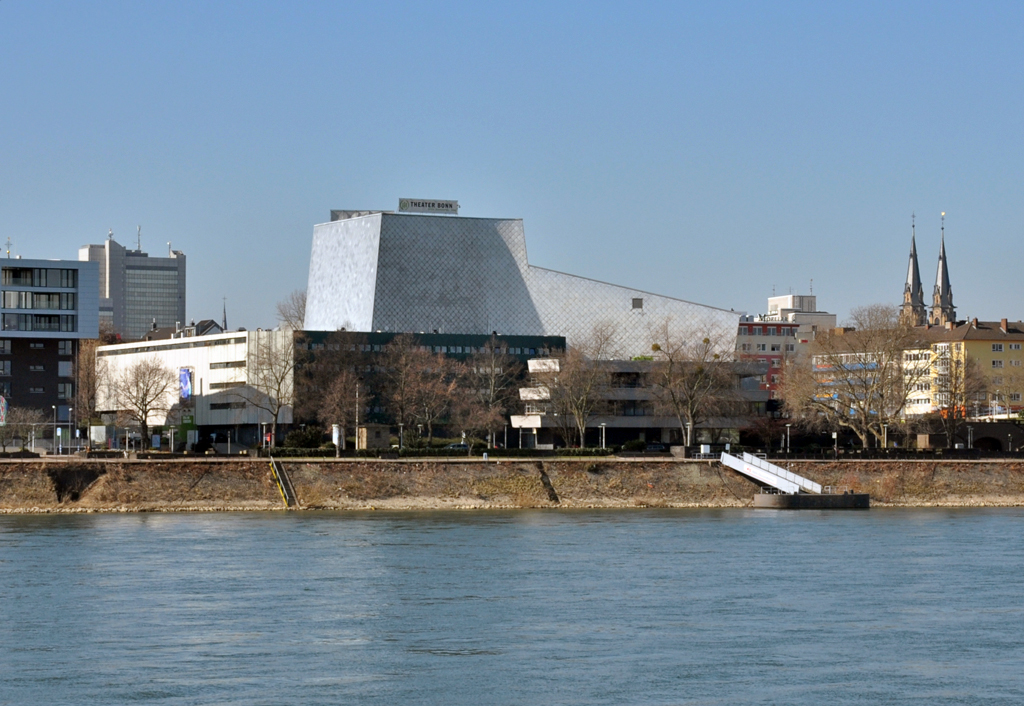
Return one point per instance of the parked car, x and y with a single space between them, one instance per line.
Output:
457 447
656 447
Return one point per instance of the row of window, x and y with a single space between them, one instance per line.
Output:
229 364
65 390
64 368
457 350
63 347
39 300
40 322
40 277
764 347
998 347
767 331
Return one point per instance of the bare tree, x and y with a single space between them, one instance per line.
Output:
691 377
855 377
20 423
577 383
432 390
488 389
88 372
270 373
144 389
291 311
402 365
338 402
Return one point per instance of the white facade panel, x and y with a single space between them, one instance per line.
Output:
343 274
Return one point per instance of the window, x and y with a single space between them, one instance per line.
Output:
65 390
1015 363
776 362
997 363
762 346
997 380
37 368
5 346
65 347
227 405
36 344
638 303
229 364
64 369
1014 346
5 389
743 330
790 347
775 379
776 347
769 330
1014 397
746 347
36 390
755 330
997 347
5 367
225 385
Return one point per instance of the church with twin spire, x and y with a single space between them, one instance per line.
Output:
914 310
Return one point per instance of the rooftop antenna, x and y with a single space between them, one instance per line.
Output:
110 234
8 248
943 224
170 253
224 324
140 238
812 286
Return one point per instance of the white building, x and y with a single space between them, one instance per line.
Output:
218 378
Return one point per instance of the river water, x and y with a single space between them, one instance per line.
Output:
526 607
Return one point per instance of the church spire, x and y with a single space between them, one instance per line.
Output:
913 309
943 310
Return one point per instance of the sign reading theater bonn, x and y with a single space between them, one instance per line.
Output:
428 206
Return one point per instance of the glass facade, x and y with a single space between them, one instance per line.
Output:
153 294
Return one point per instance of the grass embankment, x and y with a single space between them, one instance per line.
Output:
216 484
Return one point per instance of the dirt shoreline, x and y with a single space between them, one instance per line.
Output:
228 485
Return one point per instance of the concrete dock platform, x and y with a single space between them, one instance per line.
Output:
808 501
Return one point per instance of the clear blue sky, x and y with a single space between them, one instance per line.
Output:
707 151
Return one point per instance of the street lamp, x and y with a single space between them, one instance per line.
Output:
787 437
53 445
970 437
401 435
602 434
885 436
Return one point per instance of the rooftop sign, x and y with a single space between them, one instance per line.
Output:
428 206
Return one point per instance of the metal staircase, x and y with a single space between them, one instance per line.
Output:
760 471
284 483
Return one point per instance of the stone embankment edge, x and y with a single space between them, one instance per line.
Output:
897 483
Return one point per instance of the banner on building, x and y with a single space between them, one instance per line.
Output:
185 383
3 411
428 206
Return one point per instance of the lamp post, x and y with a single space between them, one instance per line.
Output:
53 445
885 436
602 434
401 435
787 437
970 437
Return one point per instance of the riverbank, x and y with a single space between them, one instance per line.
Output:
204 485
